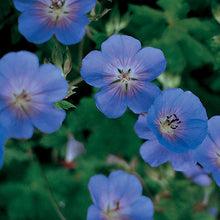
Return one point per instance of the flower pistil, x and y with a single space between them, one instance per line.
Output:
170 123
21 100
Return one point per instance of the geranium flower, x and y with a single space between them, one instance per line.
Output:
118 197
208 153
3 137
27 95
175 124
40 19
123 70
198 175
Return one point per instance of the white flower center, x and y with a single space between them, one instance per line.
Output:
169 124
57 9
124 75
22 99
112 213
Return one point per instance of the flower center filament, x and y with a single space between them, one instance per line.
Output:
124 76
113 212
21 99
57 4
170 123
57 9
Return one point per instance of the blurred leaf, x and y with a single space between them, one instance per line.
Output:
182 39
56 140
116 22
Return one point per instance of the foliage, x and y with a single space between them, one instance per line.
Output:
34 172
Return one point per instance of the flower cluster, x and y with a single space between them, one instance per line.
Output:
118 197
64 18
175 124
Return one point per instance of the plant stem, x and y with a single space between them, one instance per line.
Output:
50 194
76 81
81 52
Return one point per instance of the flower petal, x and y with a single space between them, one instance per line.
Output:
95 214
93 70
141 128
140 95
162 103
111 100
190 105
154 153
141 209
214 128
12 63
42 26
206 155
3 138
198 175
148 64
202 180
5 94
98 188
49 85
121 47
84 6
71 29
22 5
216 177
46 117
124 188
182 161
1 155
193 131
17 123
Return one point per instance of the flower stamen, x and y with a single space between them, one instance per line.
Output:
21 99
124 75
57 4
170 123
112 213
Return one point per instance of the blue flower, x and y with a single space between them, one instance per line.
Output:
27 94
208 153
123 70
64 18
3 137
198 175
175 124
118 197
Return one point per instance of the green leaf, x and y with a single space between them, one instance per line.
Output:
64 105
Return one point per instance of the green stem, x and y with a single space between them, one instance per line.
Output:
50 194
143 184
76 81
81 52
